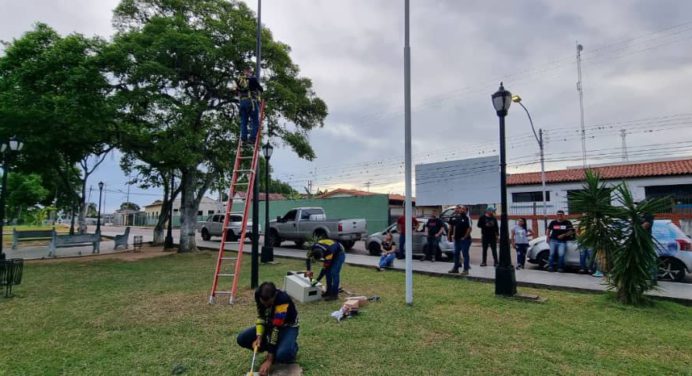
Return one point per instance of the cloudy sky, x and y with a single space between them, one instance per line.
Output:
636 64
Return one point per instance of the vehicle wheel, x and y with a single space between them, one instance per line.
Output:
319 235
230 236
374 249
205 234
348 244
542 258
671 269
300 243
274 238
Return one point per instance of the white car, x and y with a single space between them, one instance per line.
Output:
212 227
374 241
674 249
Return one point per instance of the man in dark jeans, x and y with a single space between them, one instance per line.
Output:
276 327
460 229
559 232
401 229
435 228
490 230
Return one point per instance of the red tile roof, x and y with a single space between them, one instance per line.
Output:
344 191
622 171
272 196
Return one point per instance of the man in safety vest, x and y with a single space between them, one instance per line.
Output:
333 256
249 91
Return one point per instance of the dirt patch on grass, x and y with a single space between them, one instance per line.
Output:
146 252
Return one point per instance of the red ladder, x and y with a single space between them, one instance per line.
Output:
238 172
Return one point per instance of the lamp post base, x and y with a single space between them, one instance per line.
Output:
505 281
267 255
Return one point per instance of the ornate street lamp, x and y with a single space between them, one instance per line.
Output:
168 242
98 218
7 149
267 249
505 280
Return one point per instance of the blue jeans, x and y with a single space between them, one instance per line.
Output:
462 246
333 274
387 260
401 253
521 253
559 247
249 109
286 347
432 249
584 258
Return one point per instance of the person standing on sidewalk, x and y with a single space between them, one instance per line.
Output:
401 228
520 241
460 230
559 232
490 230
435 228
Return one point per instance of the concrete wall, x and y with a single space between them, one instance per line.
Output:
375 209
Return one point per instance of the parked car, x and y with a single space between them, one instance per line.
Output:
301 224
673 246
419 240
214 224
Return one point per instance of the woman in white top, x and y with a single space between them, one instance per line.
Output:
520 241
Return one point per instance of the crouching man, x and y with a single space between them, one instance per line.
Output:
276 329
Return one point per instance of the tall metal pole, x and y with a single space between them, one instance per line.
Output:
168 242
545 208
5 165
505 280
539 139
267 249
408 207
254 277
581 105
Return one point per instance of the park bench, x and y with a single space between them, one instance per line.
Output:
11 274
66 241
121 240
27 235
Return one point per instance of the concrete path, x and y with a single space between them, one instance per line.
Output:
531 277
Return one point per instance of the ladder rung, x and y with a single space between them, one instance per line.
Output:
231 213
246 170
242 183
225 274
229 258
246 157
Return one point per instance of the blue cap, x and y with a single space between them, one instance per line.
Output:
490 209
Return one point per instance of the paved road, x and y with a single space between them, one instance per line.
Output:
531 276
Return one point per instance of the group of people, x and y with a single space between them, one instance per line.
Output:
558 232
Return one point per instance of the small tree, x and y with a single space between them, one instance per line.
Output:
616 234
635 262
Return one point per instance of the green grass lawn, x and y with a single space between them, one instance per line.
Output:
151 317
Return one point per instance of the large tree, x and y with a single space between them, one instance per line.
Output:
55 97
174 62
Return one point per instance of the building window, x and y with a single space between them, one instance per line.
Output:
536 196
210 212
175 210
200 213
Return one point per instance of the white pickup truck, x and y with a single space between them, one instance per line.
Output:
301 224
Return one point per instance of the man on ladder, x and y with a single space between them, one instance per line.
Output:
249 91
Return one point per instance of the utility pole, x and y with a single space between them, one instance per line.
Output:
254 275
367 185
408 206
623 134
581 105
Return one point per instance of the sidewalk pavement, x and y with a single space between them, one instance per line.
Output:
680 292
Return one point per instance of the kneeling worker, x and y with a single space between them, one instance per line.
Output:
276 329
333 255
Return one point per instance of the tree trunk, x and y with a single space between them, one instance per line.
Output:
163 216
82 210
188 210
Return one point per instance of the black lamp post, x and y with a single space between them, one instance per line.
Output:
505 280
98 218
168 242
267 249
6 149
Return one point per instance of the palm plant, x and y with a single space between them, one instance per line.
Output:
634 262
598 230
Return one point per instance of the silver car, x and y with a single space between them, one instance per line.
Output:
674 249
419 240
